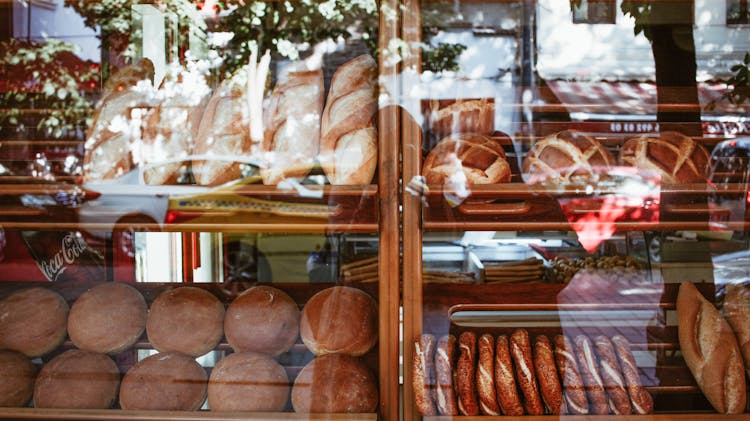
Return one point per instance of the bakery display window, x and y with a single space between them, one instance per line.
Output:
576 226
198 210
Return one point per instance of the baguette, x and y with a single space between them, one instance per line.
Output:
710 351
546 373
614 384
641 400
737 312
291 139
424 352
575 394
520 350
466 374
505 380
486 377
592 380
445 395
348 145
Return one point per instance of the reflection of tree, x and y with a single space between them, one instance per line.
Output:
45 79
444 56
669 27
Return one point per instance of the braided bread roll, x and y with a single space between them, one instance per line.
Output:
566 156
348 145
674 156
291 138
481 159
710 351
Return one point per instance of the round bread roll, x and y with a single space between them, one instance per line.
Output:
340 320
335 383
77 379
33 321
108 318
462 116
248 381
566 156
262 319
675 157
16 379
477 157
167 381
186 319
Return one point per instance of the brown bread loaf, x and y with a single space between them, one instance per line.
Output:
248 381
614 384
576 401
520 350
445 393
486 376
462 116
505 380
710 350
737 312
422 374
17 375
566 156
641 400
466 385
335 384
592 379
675 157
546 373
33 321
77 379
349 140
479 158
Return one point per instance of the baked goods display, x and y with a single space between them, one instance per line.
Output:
189 320
33 321
340 320
262 319
528 270
77 379
361 271
349 139
737 312
292 126
108 318
476 158
565 157
248 381
675 157
423 375
563 269
711 351
542 378
17 374
335 383
445 118
164 381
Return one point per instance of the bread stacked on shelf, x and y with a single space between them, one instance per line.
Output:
77 379
675 157
444 118
361 271
529 270
565 157
515 375
17 375
338 325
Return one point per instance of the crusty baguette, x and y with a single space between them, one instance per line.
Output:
614 383
640 399
291 138
710 351
520 350
486 376
445 393
574 391
422 374
505 381
592 379
348 145
546 373
224 133
466 384
737 312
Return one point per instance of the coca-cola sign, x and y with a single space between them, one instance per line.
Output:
71 249
64 255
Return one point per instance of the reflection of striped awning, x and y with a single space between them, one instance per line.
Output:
634 98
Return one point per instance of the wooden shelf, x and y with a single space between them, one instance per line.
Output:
129 415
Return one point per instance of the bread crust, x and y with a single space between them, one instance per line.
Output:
248 381
479 158
77 379
349 115
614 384
546 374
592 379
34 321
466 374
486 376
737 312
675 157
335 383
445 394
641 400
576 401
520 349
17 375
567 156
422 374
505 380
462 116
710 350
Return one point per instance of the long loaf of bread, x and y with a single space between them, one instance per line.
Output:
710 351
348 145
291 138
737 313
422 377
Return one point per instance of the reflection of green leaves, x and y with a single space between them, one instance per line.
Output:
48 76
739 83
444 57
436 16
641 12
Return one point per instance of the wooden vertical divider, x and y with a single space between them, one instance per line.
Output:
412 204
